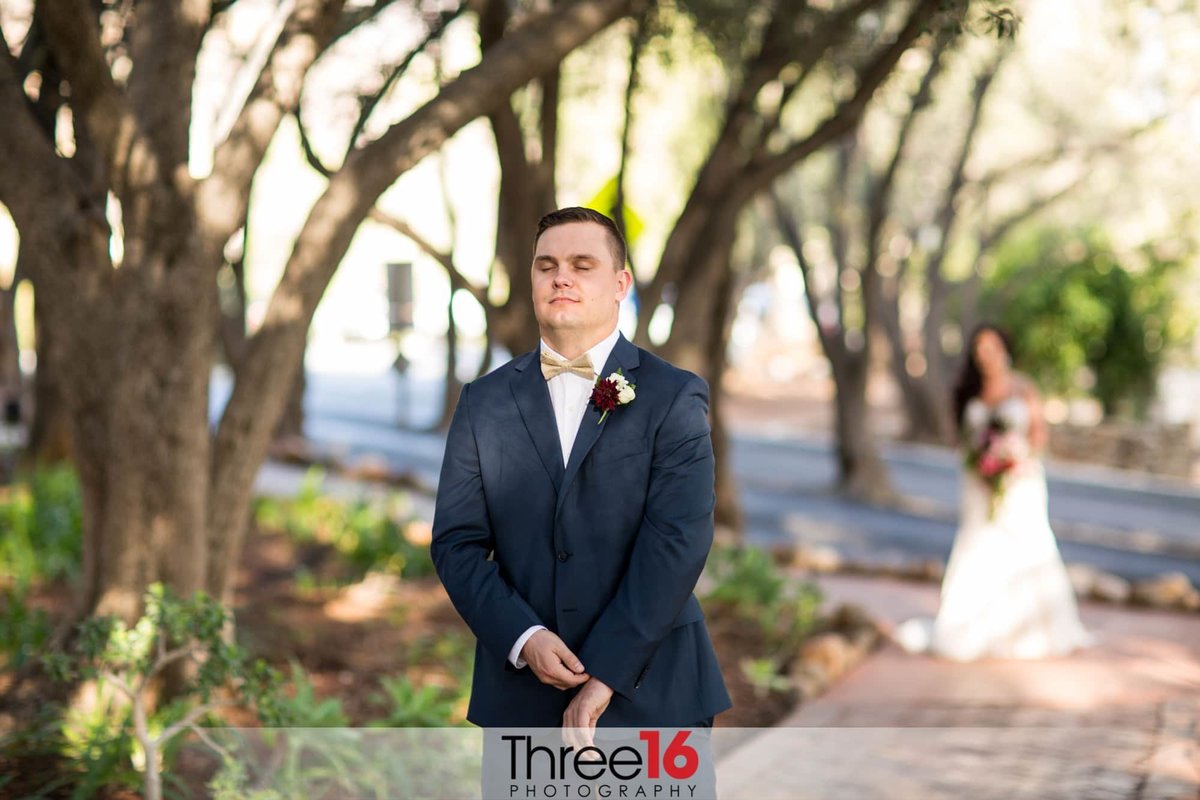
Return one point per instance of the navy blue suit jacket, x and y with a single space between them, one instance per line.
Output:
605 551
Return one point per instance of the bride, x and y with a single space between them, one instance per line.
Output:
1005 593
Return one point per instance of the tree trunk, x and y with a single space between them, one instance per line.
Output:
697 299
11 383
862 473
489 343
232 297
728 512
703 221
292 422
698 341
127 364
637 41
50 428
452 385
927 411
139 393
926 408
527 192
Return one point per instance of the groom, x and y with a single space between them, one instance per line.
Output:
570 540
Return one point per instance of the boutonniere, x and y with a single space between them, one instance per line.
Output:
613 391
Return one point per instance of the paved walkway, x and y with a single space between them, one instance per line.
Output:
1120 720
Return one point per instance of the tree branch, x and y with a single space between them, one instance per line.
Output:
355 18
762 172
169 657
120 683
310 154
789 229
189 719
165 43
370 102
637 41
723 165
223 196
879 196
457 279
74 38
991 237
35 184
946 214
830 32
1057 154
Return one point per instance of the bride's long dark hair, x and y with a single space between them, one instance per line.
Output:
970 377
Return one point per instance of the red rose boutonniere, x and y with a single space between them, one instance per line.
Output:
611 392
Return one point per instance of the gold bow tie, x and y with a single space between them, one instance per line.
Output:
581 366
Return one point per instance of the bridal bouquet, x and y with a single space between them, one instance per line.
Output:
996 454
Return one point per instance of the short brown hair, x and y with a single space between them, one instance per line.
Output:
616 242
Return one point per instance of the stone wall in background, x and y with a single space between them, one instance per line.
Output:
1165 449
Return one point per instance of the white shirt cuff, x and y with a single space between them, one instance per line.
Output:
514 655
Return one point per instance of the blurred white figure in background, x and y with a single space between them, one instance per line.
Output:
1006 593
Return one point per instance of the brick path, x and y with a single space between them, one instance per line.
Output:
1121 720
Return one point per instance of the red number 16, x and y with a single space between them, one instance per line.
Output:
678 748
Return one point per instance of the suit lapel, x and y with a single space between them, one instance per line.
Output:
533 400
624 355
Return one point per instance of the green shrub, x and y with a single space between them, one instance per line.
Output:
412 706
765 675
99 745
1087 318
453 650
368 536
302 709
42 520
23 630
747 580
121 730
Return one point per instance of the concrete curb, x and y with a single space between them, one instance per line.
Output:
1168 591
915 454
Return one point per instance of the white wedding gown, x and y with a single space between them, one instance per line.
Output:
1005 593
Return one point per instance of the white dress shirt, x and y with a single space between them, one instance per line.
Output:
569 395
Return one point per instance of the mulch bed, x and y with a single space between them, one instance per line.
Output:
346 658
346 644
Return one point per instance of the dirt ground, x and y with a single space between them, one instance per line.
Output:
347 639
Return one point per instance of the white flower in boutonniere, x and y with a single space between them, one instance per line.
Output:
613 391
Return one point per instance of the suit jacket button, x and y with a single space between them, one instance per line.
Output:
563 556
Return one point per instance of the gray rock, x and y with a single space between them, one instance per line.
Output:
1171 590
830 651
817 558
1083 578
809 679
1111 588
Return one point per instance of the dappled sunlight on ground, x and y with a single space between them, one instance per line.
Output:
1140 657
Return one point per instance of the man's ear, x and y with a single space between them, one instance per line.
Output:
625 281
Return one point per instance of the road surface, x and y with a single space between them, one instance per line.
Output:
1126 523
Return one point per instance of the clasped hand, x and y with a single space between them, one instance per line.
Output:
552 661
555 665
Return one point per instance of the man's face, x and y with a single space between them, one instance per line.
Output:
576 286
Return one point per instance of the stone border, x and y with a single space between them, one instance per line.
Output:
1169 591
298 451
839 643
